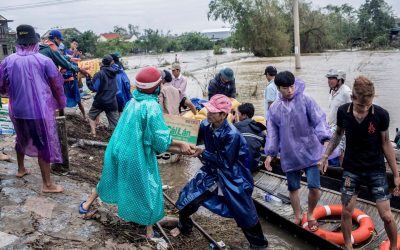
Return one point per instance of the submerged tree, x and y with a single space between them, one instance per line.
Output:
375 18
258 24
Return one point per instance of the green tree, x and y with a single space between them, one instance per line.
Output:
342 26
153 40
112 46
194 41
133 30
375 17
87 42
259 25
313 31
121 31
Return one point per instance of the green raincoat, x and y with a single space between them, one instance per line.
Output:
130 177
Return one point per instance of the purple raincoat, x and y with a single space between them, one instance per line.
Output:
297 129
36 89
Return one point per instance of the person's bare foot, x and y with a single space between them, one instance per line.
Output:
53 188
297 221
4 157
175 232
22 173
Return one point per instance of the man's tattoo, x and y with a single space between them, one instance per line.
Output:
334 142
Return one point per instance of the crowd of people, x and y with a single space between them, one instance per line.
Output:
296 130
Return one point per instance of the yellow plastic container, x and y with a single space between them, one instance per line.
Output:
260 119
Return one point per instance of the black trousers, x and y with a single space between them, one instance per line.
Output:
254 234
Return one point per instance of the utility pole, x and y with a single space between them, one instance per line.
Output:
296 33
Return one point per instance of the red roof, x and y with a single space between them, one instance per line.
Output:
110 36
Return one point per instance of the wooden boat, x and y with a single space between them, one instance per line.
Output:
332 180
281 213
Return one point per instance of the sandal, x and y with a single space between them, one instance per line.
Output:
81 209
313 225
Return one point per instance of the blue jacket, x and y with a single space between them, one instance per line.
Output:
226 165
124 87
216 86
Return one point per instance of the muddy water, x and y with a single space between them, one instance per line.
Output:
380 66
199 67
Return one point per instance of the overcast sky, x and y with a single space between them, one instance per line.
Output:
102 15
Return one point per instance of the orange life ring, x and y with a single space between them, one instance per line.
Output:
359 235
386 244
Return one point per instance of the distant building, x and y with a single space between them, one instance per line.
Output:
131 38
108 36
63 32
7 38
217 34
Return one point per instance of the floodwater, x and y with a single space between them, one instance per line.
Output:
199 67
381 67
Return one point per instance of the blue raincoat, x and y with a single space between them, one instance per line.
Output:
130 177
124 87
297 129
227 167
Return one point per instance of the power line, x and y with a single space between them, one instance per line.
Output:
38 4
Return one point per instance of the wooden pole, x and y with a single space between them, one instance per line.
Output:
208 237
62 135
296 33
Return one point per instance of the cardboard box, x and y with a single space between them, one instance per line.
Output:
183 129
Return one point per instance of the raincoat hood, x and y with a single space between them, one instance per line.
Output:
254 126
117 68
139 96
299 89
109 71
27 50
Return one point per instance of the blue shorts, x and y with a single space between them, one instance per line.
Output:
375 181
294 177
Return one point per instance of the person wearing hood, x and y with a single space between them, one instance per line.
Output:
50 49
123 83
224 183
223 83
252 131
104 83
130 178
35 89
298 131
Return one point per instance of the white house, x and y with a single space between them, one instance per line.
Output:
217 34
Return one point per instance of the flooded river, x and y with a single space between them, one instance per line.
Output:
199 67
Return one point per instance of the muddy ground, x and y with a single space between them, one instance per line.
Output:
33 220
86 165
